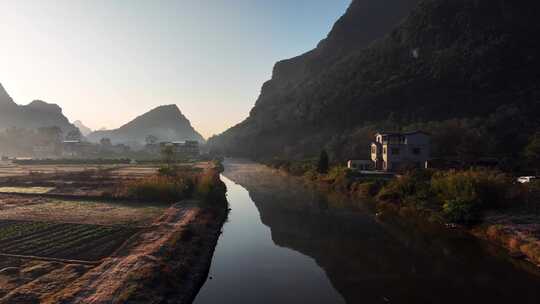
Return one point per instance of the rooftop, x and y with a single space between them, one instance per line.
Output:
402 133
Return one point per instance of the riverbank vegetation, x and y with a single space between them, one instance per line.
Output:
487 202
176 183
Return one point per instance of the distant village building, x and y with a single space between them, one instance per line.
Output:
396 151
71 148
360 165
188 148
78 149
45 150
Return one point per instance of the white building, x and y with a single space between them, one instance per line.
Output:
395 151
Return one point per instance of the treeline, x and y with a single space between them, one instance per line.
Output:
511 135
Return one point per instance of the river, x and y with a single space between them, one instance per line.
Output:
287 243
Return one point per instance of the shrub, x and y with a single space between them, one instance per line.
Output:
367 189
311 174
161 188
465 194
461 210
206 184
168 171
411 188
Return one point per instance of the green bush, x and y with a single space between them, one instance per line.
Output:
466 194
461 210
367 189
168 171
311 175
411 188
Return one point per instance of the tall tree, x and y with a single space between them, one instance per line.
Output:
532 152
151 140
51 134
168 155
324 163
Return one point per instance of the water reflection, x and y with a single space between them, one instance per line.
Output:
316 245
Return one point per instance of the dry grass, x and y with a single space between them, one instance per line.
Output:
26 190
520 234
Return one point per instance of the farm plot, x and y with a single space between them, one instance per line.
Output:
62 241
22 170
26 190
39 209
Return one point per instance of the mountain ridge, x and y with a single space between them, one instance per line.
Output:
35 115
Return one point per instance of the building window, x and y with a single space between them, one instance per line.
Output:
417 151
395 151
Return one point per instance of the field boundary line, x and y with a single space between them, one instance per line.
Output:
65 261
93 198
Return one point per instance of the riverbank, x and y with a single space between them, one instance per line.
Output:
485 203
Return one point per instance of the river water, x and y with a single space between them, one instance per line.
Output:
287 243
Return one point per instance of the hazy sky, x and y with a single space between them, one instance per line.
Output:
106 61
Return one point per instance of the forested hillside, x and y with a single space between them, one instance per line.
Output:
465 70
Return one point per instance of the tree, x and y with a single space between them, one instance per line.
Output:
50 134
74 135
151 140
106 142
168 155
324 163
532 151
471 147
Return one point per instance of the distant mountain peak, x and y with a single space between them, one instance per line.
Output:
43 106
171 108
165 122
